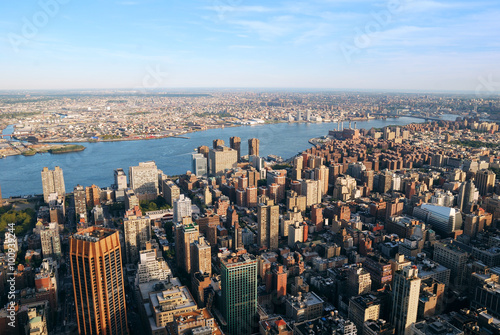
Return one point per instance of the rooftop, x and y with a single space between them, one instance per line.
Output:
94 234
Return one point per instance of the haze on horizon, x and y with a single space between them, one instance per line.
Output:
331 44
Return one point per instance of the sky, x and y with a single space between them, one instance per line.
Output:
413 45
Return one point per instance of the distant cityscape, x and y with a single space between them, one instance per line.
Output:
391 230
43 122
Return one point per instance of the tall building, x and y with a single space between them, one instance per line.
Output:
251 196
268 216
299 116
137 231
93 195
344 188
363 308
467 194
297 232
171 192
96 268
182 208
207 196
221 159
46 283
322 174
367 178
253 147
52 182
485 180
235 144
277 178
218 143
144 180
202 256
51 243
120 179
185 235
385 182
312 190
80 203
359 281
450 254
406 291
199 167
239 293
131 199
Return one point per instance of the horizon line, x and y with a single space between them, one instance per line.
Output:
285 89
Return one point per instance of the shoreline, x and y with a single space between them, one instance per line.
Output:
81 141
179 149
41 148
181 135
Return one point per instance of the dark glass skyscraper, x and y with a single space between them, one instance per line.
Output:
239 293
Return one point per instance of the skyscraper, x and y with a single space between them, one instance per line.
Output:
452 255
202 256
218 143
239 293
367 178
485 181
251 196
171 192
235 144
253 147
385 182
321 174
52 182
359 281
51 243
220 159
268 225
312 190
80 203
299 116
182 208
120 179
137 231
144 180
406 290
363 308
199 162
185 234
96 268
93 195
467 193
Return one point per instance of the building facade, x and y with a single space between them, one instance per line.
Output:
239 293
52 182
96 268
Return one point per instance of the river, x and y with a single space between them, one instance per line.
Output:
20 175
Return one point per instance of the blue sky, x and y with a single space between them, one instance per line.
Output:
334 44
